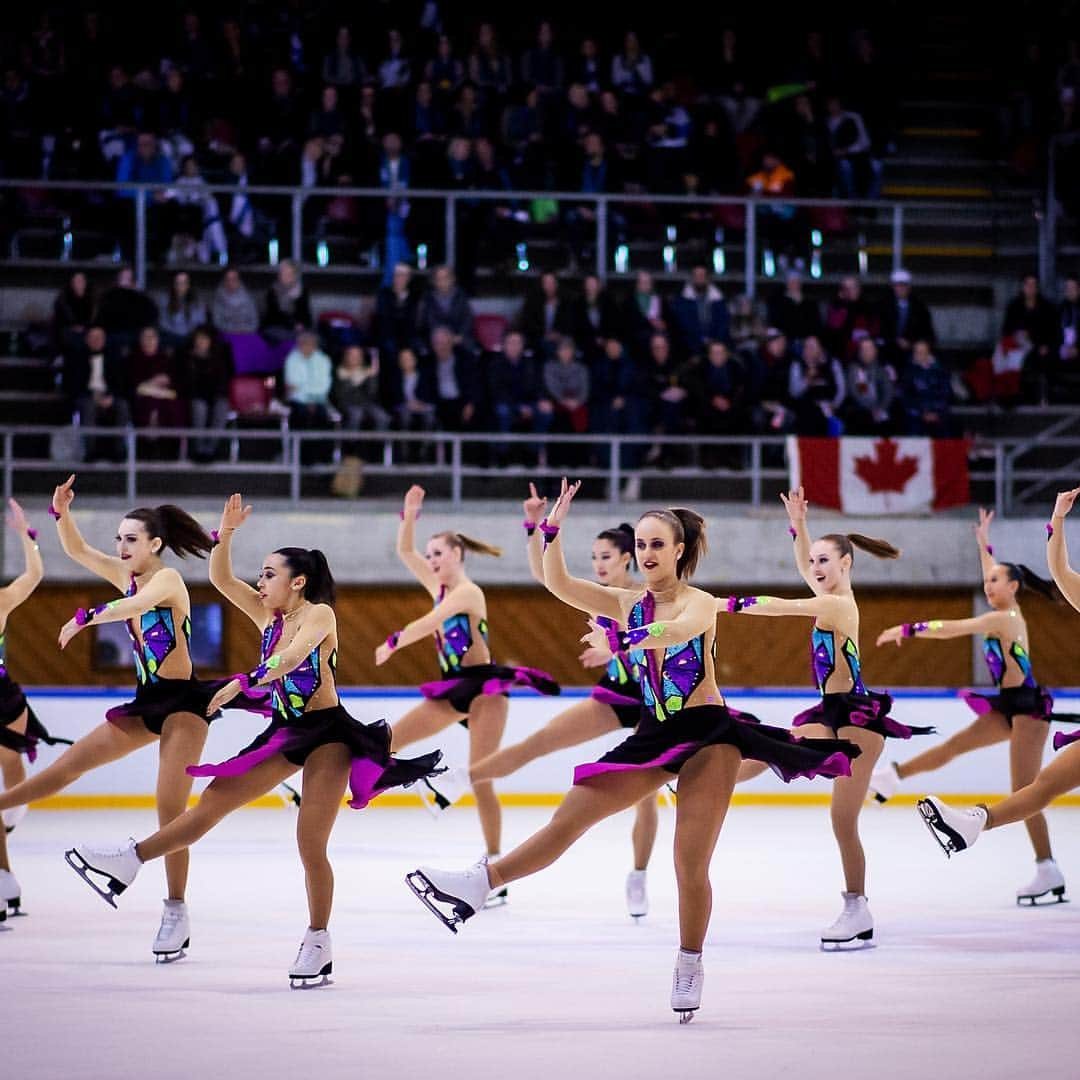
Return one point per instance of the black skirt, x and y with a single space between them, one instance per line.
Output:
155 702
670 744
627 707
869 711
12 703
374 769
465 686
1017 701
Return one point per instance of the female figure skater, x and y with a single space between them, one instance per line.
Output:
170 703
615 701
473 689
847 708
310 729
685 729
1018 712
20 729
956 829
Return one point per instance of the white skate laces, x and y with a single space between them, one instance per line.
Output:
108 871
1048 882
314 961
854 925
686 983
954 829
174 934
637 898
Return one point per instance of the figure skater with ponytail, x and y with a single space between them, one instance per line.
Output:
847 709
1016 712
20 729
170 704
957 829
473 689
309 729
685 729
615 701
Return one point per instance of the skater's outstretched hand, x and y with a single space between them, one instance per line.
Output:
17 519
67 632
557 514
383 653
414 499
534 505
795 504
982 530
64 495
1064 502
894 634
594 656
596 638
234 515
223 696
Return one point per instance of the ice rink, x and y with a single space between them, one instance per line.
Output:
961 982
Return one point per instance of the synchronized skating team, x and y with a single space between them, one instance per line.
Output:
655 639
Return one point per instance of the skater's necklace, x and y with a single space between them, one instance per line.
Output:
665 596
288 615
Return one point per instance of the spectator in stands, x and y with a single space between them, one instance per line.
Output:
620 403
545 316
233 310
184 311
280 126
489 67
776 219
631 70
356 391
514 393
768 379
328 119
343 67
717 398
446 305
566 381
594 318
576 120
414 399
926 394
645 313
522 132
904 318
586 68
457 390
200 232
288 306
396 310
848 319
701 313
542 66
73 311
600 174
94 380
159 389
395 67
445 72
206 372
1065 378
1031 320
816 389
793 312
871 388
670 404
123 310
146 164
309 376
748 324
667 139
858 172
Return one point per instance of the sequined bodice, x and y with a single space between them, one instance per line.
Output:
157 630
666 685
823 659
291 693
454 639
994 655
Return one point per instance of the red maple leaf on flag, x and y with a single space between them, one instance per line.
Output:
886 471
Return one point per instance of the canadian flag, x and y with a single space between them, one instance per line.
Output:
881 476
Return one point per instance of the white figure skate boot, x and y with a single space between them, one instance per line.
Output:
884 782
465 891
445 789
855 923
1048 881
953 829
686 983
174 934
12 816
118 866
637 898
10 894
314 961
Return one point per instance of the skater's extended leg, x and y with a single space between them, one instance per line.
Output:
326 772
984 731
582 721
487 722
224 795
107 742
646 819
848 797
183 736
4 863
706 782
583 807
1025 760
421 722
1059 777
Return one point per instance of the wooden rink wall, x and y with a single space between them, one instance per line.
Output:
529 626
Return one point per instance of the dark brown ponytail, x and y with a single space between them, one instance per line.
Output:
688 528
175 528
1028 579
846 543
466 543
319 587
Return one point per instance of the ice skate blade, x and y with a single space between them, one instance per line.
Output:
84 870
172 955
1057 897
427 894
685 1015
497 900
879 799
951 841
312 982
854 944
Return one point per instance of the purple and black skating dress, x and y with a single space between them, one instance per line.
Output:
12 703
295 733
669 733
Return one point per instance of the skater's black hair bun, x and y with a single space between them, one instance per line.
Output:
319 585
621 537
175 528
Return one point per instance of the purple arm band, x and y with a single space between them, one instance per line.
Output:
54 513
1049 530
911 629
793 532
735 604
401 514
215 536
611 628
393 639
549 531
989 549
82 616
32 533
529 527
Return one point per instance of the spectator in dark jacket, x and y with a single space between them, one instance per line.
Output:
670 404
206 373
1065 375
517 401
594 318
792 312
288 306
457 389
926 393
871 387
718 393
620 402
904 319
848 318
1031 319
412 398
159 399
446 305
123 310
395 313
645 312
545 316
355 392
94 380
769 374
701 312
816 389
73 311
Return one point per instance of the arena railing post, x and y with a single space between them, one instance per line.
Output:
296 246
897 236
750 262
601 237
130 465
450 215
140 237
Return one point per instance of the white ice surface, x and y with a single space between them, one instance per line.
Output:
962 983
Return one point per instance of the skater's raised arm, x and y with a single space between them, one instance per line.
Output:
318 623
239 593
823 606
162 590
18 590
534 507
795 504
75 547
982 538
990 622
461 599
698 616
1057 553
406 541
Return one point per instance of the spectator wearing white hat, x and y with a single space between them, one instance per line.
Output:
904 319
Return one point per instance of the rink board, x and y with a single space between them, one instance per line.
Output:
130 782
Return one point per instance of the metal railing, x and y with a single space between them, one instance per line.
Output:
738 237
1015 475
